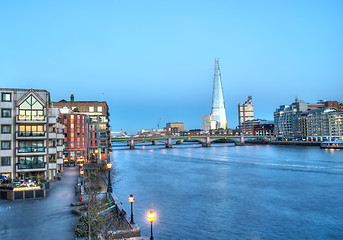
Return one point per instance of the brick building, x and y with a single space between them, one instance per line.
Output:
99 131
75 137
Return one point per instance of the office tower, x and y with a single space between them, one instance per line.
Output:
218 105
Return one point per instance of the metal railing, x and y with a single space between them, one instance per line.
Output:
31 134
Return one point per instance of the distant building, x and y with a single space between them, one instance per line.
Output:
206 123
265 128
174 128
99 131
151 132
75 137
248 127
312 122
324 124
245 111
31 135
284 127
218 105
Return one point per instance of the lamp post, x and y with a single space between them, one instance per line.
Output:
109 184
131 200
151 218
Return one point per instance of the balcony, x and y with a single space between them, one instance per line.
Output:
27 135
52 165
31 150
31 165
31 119
60 148
52 120
52 135
59 161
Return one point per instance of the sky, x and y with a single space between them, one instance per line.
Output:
153 61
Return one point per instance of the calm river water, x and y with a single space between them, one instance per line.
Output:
227 192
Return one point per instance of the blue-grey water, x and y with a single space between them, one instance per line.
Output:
227 192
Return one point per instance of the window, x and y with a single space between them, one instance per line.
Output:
66 144
78 116
6 97
72 126
102 126
31 110
72 117
78 153
72 144
72 135
30 130
31 162
5 113
5 128
78 144
83 143
99 109
78 134
31 146
91 109
5 145
5 161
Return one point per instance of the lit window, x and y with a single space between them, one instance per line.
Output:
91 109
31 110
99 109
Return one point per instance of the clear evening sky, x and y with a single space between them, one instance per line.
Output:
153 60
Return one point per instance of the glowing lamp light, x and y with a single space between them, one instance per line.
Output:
109 165
131 199
151 216
81 164
81 172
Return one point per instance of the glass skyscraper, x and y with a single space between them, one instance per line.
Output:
218 106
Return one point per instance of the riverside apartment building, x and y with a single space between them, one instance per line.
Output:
31 140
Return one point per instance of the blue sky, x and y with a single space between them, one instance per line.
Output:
153 60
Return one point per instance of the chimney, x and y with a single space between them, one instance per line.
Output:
72 97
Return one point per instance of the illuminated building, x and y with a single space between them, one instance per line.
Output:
75 137
31 142
99 131
174 128
218 105
245 111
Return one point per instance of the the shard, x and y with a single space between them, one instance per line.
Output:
218 106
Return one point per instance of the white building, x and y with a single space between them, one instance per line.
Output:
245 111
31 135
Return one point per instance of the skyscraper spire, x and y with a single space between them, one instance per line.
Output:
218 104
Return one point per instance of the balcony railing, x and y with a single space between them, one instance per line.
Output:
31 165
31 149
31 118
31 134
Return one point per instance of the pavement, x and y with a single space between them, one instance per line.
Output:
48 218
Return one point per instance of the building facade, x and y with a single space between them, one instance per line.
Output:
218 105
99 130
324 124
75 137
31 135
245 111
174 128
284 127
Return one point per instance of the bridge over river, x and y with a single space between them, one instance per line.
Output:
205 140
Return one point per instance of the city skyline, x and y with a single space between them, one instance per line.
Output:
153 61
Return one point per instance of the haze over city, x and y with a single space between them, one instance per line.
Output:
154 60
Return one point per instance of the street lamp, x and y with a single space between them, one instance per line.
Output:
81 172
131 200
109 184
151 218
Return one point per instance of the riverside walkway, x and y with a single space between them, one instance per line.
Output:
48 218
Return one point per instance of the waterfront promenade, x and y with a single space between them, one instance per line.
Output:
48 218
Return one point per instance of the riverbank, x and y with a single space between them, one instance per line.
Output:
298 143
48 218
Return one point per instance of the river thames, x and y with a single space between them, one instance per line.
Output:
228 192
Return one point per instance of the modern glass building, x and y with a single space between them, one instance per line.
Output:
218 105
